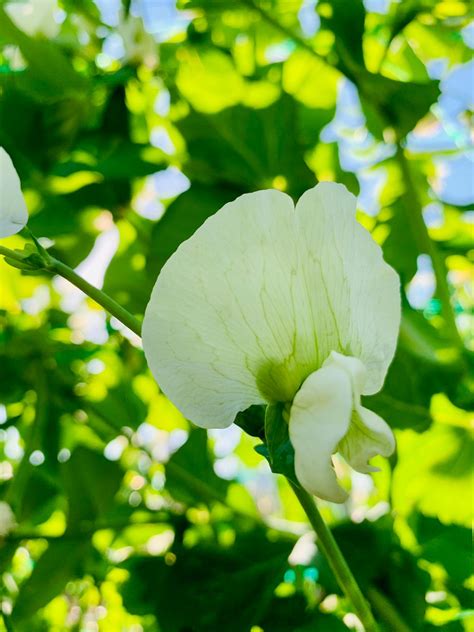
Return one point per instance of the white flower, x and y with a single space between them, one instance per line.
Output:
35 17
7 519
139 45
269 304
13 213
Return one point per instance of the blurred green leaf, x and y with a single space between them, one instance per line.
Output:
291 614
182 218
238 581
91 483
60 562
50 75
434 474
239 147
190 475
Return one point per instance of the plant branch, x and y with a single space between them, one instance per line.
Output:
100 297
10 254
44 261
336 560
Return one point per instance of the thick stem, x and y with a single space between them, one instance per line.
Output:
97 295
336 560
10 254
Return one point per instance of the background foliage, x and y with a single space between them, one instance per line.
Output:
128 129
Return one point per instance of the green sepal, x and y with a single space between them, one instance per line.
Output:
252 421
277 448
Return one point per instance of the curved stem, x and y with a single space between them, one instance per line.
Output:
336 560
54 266
100 297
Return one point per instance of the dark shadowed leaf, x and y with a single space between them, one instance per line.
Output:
190 475
238 581
58 565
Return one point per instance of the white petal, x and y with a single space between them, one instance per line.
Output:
319 418
219 329
361 291
35 17
368 436
13 213
261 295
355 370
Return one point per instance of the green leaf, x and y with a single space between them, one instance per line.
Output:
58 565
450 546
40 500
249 149
209 80
434 474
399 104
400 249
190 475
252 421
182 218
281 454
91 483
50 75
346 21
120 408
292 614
424 365
209 587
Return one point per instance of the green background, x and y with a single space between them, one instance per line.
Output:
124 522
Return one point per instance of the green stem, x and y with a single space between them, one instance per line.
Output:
100 297
10 254
414 216
336 560
54 266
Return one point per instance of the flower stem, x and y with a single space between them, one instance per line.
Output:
10 254
336 560
100 297
54 266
